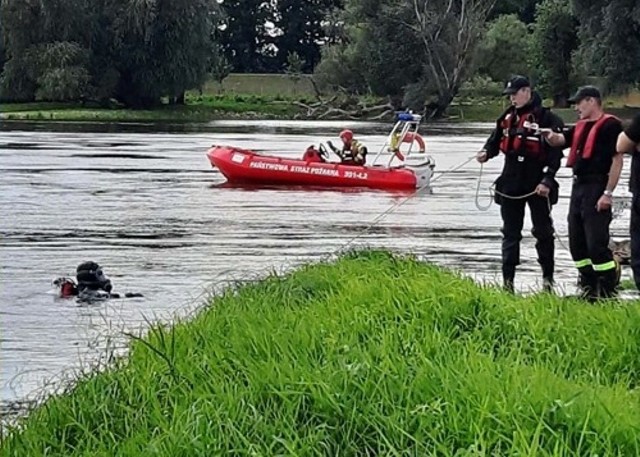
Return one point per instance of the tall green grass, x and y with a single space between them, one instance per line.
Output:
373 355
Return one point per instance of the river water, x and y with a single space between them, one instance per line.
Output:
144 202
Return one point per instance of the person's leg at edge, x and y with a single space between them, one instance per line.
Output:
512 212
545 240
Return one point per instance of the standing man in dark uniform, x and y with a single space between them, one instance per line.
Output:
530 165
596 170
629 141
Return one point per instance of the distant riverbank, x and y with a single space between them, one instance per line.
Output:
203 108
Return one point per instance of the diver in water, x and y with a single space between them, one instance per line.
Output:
92 284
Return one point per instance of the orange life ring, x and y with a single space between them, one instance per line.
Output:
409 137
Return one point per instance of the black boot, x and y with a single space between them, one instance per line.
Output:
588 283
547 276
508 275
609 281
507 286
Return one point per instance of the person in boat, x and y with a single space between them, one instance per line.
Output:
353 152
527 178
629 141
92 284
596 165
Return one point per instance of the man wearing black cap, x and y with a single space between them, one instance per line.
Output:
528 176
596 169
629 141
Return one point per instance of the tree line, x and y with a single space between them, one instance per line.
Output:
419 53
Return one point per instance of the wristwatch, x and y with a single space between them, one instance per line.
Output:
608 193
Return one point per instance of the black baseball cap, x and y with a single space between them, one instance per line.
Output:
516 83
584 92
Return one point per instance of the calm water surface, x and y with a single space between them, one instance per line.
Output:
144 202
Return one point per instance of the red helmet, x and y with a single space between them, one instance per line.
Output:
346 136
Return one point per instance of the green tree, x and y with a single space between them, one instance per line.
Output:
162 48
244 35
340 69
448 34
609 35
220 66
384 50
60 71
22 27
295 64
136 51
3 54
420 51
554 38
47 46
373 55
505 48
300 29
294 68
524 9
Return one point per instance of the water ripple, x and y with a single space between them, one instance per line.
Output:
148 207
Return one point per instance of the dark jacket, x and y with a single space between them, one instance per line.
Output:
521 172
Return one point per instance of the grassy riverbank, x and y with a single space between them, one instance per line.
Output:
197 109
211 107
372 355
276 96
253 96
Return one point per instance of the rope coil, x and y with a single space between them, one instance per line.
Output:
493 191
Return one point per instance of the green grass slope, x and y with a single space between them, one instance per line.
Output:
372 355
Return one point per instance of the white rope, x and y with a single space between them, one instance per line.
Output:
452 169
397 205
477 202
492 191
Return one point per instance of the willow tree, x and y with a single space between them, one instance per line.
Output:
47 44
447 34
21 29
371 53
422 49
162 47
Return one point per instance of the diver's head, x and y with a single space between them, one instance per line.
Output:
90 276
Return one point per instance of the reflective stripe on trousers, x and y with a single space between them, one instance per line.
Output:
596 267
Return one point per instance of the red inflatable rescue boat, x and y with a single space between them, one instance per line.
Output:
415 171
243 166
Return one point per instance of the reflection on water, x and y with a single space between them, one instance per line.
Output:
147 206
